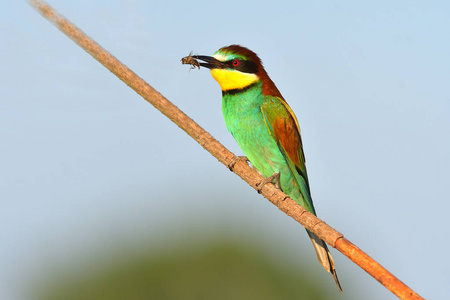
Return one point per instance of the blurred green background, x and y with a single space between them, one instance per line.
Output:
221 268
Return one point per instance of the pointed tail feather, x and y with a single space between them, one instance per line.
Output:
324 257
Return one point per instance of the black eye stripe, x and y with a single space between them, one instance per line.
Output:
245 66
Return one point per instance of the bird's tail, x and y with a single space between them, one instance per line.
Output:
324 256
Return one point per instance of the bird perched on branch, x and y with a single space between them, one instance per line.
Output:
264 127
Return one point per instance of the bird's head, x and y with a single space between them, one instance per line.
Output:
236 68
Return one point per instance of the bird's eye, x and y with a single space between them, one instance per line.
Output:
235 63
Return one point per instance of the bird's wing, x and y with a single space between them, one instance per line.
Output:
283 126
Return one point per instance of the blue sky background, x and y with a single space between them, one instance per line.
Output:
85 162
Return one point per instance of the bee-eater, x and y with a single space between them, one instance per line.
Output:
265 127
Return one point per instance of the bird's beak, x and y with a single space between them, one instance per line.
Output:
209 62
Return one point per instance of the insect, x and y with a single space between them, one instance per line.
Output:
189 60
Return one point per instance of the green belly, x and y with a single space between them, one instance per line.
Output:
246 123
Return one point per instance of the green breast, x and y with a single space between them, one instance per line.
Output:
245 121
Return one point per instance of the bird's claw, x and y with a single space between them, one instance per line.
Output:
274 179
236 159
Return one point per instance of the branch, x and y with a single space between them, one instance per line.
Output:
241 168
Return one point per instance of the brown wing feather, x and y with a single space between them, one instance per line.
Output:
287 133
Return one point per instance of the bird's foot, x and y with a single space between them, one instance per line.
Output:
274 178
236 159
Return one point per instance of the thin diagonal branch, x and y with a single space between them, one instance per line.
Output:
242 169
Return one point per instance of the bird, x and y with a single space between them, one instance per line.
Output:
265 128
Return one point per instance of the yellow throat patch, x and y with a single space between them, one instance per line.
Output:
231 79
